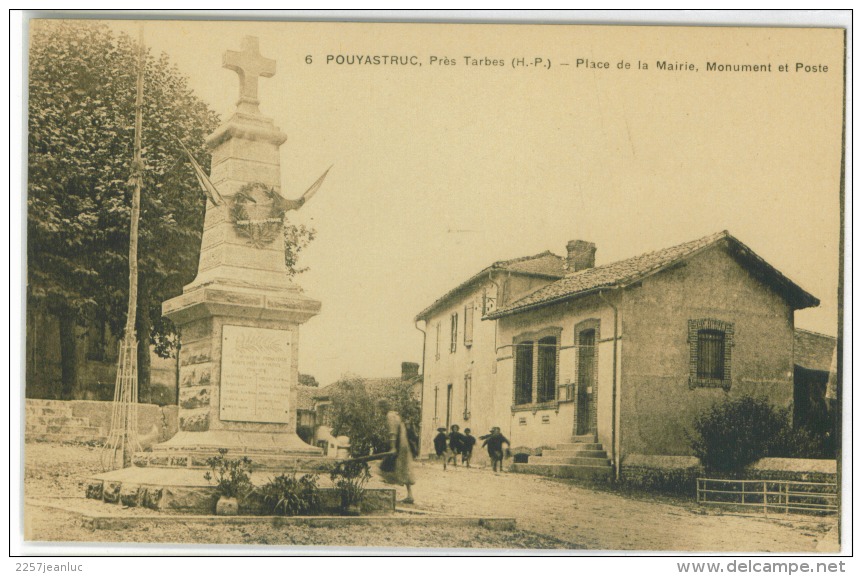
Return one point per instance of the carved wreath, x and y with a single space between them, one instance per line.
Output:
259 232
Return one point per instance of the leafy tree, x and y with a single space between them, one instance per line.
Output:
308 380
81 131
296 238
356 414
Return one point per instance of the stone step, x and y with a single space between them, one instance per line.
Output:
579 446
584 438
77 430
49 411
197 459
187 491
576 453
45 402
575 461
64 437
57 421
564 470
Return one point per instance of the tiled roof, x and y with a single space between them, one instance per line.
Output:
545 264
374 386
625 272
812 350
305 397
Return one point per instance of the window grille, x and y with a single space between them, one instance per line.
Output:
547 374
710 345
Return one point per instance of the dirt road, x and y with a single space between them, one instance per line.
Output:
551 514
600 520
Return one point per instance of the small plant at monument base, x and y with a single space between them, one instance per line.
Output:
291 496
232 481
350 479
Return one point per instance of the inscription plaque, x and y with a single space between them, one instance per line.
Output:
255 375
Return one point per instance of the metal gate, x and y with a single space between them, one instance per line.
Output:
769 495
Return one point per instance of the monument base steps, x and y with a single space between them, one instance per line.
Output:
186 490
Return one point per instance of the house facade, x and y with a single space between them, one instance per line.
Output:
626 354
460 361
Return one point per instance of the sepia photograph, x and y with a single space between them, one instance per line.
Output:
437 288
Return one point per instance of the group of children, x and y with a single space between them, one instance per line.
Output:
449 446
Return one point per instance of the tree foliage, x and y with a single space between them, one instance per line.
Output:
81 132
308 380
356 414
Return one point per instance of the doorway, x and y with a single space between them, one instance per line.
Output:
585 422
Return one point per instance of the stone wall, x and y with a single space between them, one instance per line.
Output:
156 423
679 474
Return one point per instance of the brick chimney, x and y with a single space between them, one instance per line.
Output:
409 370
581 255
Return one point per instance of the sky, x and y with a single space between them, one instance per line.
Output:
440 170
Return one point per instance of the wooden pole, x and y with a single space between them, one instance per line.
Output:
123 437
136 195
130 420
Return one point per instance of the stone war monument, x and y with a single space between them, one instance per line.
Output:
239 321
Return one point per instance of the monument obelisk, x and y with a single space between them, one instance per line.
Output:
239 319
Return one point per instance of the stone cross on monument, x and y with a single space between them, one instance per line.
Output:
249 65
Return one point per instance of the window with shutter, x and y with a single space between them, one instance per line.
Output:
468 324
453 342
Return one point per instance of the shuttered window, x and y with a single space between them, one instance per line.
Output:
468 324
468 392
453 342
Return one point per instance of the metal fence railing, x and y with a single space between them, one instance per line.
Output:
770 495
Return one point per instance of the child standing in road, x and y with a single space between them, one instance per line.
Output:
467 447
494 442
441 443
456 444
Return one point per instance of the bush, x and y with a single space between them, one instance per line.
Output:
231 475
289 496
350 478
731 435
355 413
672 481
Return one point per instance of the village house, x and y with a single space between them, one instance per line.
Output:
460 362
621 356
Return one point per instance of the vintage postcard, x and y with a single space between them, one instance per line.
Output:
447 287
